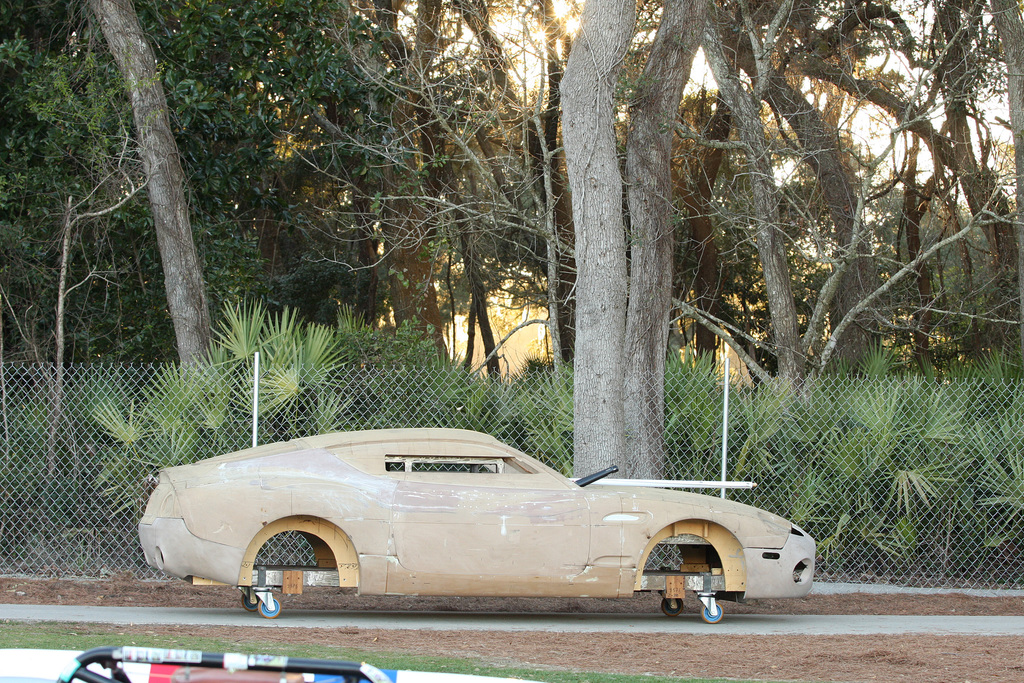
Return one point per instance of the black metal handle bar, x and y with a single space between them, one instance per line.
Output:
591 478
112 657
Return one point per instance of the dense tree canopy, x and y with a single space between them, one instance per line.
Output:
836 177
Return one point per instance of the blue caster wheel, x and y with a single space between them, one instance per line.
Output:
270 612
250 602
712 617
672 607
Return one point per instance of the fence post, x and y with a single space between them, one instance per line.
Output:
725 422
255 398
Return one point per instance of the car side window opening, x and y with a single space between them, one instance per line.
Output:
452 464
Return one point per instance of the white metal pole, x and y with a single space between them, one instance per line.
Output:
256 398
725 422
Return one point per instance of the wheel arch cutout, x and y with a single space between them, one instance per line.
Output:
729 549
331 546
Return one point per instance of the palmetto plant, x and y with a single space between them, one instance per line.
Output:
545 410
693 417
999 443
183 413
241 332
873 468
296 354
1003 480
761 419
297 360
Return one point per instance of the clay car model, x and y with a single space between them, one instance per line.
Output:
447 512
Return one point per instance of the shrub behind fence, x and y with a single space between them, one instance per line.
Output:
905 481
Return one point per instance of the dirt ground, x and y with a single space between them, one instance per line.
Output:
952 659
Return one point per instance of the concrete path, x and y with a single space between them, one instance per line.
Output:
737 624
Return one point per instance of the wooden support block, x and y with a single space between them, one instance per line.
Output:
695 559
200 581
292 583
675 587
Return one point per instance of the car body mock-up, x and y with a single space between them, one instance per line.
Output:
448 512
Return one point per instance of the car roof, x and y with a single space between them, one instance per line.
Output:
361 448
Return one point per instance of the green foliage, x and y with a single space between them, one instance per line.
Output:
881 470
178 416
314 288
366 346
66 139
241 83
241 330
286 340
693 428
878 362
300 363
546 412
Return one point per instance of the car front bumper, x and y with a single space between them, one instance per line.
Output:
784 573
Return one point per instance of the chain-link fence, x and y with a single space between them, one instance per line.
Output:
905 481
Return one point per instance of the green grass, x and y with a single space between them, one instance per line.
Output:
85 636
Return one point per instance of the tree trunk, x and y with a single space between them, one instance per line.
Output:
411 273
412 251
770 240
467 362
183 277
57 381
915 204
652 244
588 132
478 310
1010 26
696 193
565 263
367 245
822 152
958 21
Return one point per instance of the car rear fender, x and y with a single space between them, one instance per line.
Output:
332 547
729 550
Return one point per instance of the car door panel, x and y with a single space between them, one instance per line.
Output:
489 531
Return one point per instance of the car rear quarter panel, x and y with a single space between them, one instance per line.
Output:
227 503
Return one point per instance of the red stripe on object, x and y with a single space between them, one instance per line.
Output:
161 673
